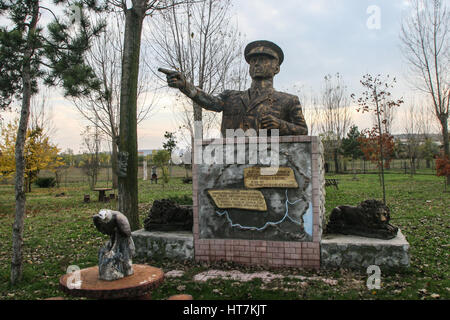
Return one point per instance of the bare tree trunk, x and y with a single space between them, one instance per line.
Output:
115 179
354 170
425 45
198 115
17 231
336 160
200 41
444 123
382 168
413 166
128 184
381 147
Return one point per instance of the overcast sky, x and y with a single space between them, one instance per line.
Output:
318 37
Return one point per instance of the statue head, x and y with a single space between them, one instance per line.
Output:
105 215
264 58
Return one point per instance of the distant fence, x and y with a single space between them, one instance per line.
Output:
396 166
76 175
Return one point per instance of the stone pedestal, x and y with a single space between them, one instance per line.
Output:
178 245
354 252
289 231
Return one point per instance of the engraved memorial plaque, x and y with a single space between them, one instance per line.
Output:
284 178
239 199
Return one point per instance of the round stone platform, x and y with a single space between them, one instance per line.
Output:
137 286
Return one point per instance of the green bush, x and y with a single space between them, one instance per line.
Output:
45 182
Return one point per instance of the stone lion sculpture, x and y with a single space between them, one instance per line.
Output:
369 219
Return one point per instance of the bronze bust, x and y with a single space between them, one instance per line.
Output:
260 107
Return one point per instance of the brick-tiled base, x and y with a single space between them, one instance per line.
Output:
257 252
270 253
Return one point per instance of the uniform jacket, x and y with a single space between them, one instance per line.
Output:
242 111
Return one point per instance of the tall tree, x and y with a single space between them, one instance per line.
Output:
387 119
170 146
311 106
335 114
171 141
135 12
378 150
199 39
413 139
28 53
41 112
443 168
425 43
91 162
377 99
101 107
39 153
351 146
161 159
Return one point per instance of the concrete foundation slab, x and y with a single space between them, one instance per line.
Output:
354 252
157 245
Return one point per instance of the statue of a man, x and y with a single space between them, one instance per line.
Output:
260 107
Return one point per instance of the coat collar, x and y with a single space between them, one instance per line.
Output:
260 99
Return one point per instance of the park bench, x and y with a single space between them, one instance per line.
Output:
331 182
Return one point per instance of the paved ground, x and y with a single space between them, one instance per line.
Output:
245 277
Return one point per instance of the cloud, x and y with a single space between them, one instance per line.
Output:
318 37
68 126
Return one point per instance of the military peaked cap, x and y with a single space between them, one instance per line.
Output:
263 47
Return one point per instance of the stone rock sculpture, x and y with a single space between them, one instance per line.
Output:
115 257
122 167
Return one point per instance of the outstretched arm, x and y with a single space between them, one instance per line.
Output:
176 79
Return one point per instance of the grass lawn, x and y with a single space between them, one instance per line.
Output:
59 232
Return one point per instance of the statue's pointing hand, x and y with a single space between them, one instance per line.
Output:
175 79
